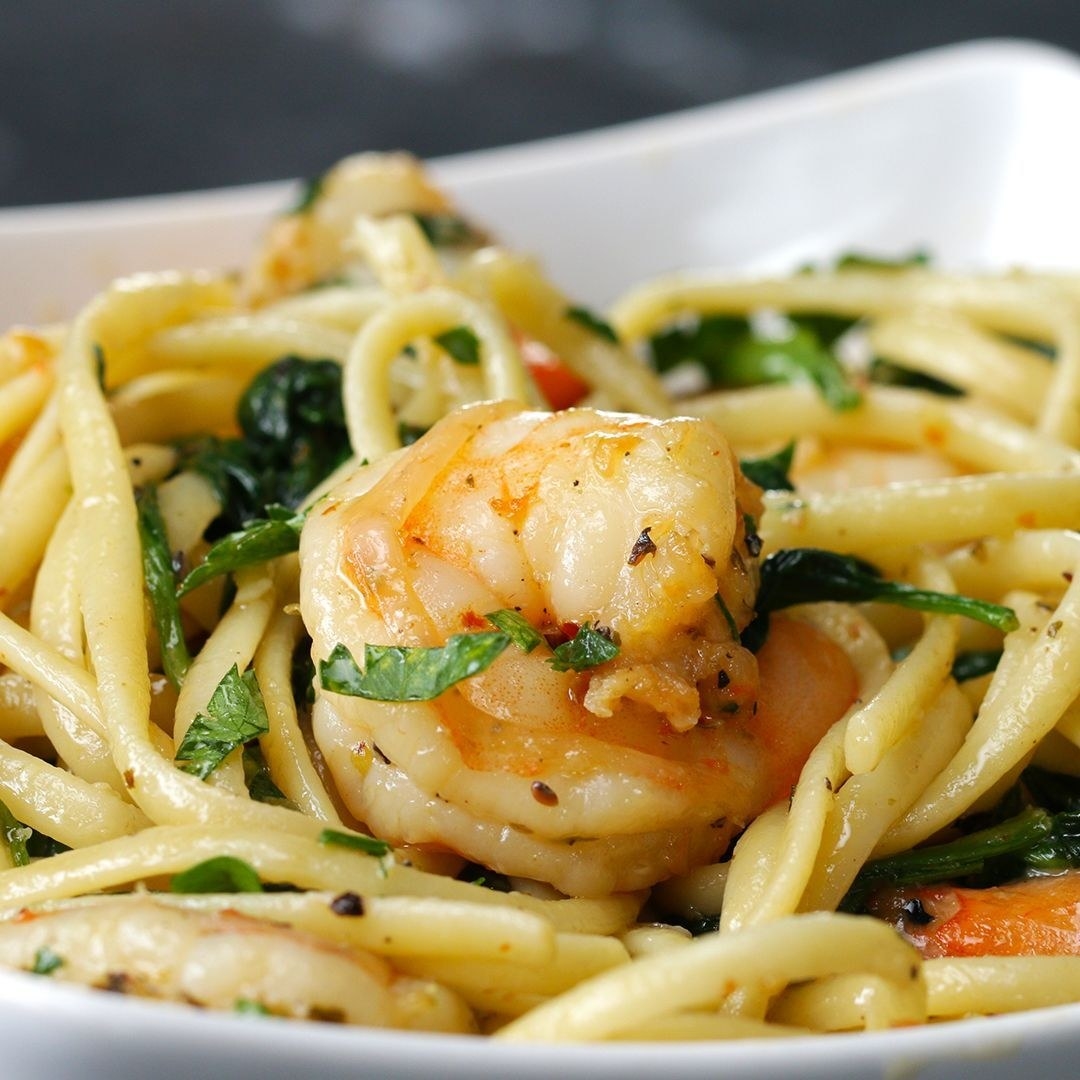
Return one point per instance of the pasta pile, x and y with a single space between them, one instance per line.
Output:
966 481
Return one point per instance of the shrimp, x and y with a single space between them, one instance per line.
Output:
1034 917
606 779
224 960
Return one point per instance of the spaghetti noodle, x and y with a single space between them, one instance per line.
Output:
613 793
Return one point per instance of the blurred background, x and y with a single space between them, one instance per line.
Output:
106 98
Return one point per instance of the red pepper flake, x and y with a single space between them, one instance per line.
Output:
1026 520
935 435
473 621
643 546
543 794
129 778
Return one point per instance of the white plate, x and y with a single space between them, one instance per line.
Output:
969 151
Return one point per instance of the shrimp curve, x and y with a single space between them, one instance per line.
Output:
601 780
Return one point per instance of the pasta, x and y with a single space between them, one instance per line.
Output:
562 770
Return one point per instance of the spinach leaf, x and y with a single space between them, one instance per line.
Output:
234 714
410 673
771 473
461 343
1030 833
293 436
593 322
810 575
260 540
975 662
250 1007
409 433
886 373
586 649
516 628
733 356
160 583
221 874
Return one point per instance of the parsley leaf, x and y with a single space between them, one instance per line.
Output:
857 260
46 961
260 784
234 714
221 874
461 343
260 540
771 473
586 649
15 835
591 321
516 628
410 673
161 587
250 1007
886 373
357 842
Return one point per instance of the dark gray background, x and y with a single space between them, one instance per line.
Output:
102 99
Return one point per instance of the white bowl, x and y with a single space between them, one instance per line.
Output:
969 151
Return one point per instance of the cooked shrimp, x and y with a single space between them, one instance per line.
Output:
223 961
606 779
1035 917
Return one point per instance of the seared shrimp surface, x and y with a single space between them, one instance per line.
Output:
606 779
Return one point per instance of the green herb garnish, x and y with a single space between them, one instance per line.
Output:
461 343
857 260
886 373
248 1007
234 714
732 355
46 961
448 230
309 195
221 874
410 673
810 575
593 322
257 778
160 582
771 473
259 541
974 663
293 436
518 629
586 649
369 845
15 835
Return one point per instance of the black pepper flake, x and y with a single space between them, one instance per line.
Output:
544 794
470 480
753 543
1053 628
348 903
117 982
1067 575
723 679
129 778
915 913
643 546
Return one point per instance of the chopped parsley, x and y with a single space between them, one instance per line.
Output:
221 874
234 714
586 649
